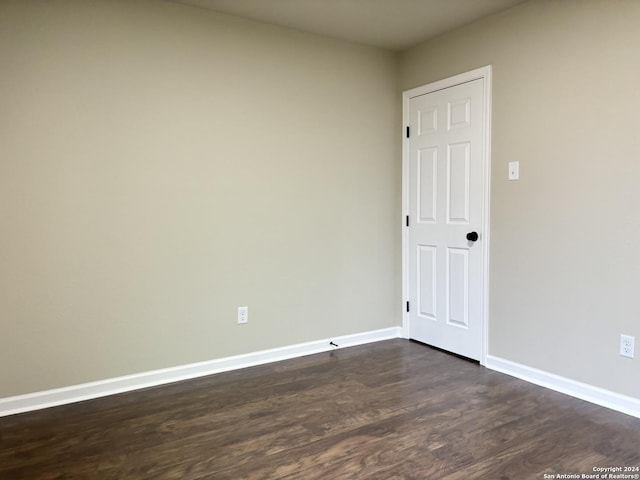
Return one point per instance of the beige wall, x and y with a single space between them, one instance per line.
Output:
161 165
565 261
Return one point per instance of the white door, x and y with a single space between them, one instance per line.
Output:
445 149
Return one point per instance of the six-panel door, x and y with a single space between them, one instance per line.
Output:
445 150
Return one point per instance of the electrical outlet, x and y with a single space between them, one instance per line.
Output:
627 345
243 315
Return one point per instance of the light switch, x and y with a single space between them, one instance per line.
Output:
514 170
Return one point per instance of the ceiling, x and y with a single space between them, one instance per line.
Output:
390 24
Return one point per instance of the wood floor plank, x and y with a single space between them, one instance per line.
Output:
391 410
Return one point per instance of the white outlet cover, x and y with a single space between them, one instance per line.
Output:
627 346
243 315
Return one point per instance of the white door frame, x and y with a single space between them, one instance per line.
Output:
483 73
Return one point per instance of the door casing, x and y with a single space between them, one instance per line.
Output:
479 73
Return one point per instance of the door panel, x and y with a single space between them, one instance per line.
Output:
445 199
458 183
427 184
427 281
458 287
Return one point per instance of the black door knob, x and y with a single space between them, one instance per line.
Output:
472 236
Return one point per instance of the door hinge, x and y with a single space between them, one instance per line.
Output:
408 131
407 305
407 220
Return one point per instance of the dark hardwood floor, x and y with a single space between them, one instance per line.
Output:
390 410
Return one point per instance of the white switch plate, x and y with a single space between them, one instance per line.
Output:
514 170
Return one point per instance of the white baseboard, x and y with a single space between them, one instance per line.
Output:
583 391
111 386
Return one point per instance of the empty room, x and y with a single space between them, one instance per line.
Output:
319 239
